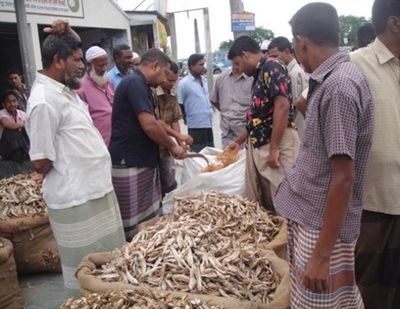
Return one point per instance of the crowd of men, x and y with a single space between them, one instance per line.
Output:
320 129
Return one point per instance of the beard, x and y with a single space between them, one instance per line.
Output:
72 81
100 80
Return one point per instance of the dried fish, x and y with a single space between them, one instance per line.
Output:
209 244
21 196
135 300
225 158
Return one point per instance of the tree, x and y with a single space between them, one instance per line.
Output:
349 26
225 45
261 34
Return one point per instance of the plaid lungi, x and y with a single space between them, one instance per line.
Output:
378 260
139 195
342 292
95 226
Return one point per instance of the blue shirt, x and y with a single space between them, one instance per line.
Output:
129 144
115 76
194 98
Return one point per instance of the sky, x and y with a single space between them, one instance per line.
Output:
273 15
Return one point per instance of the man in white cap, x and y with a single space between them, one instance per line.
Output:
97 91
135 60
264 47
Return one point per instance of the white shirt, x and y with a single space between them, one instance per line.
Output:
4 114
61 130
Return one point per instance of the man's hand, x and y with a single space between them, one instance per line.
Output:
316 274
178 152
233 146
62 27
185 139
273 158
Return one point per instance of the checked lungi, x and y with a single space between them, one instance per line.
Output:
95 226
139 195
378 260
342 292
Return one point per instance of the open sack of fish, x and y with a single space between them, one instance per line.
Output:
25 222
212 247
224 172
9 289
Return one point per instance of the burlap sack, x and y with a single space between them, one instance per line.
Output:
10 297
35 249
91 284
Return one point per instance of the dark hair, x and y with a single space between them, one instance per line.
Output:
194 58
8 92
13 71
117 50
61 45
243 44
365 35
281 43
174 67
381 11
153 55
317 21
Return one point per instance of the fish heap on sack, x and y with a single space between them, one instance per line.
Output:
136 300
21 196
225 158
208 245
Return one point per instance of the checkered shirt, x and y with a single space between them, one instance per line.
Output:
339 121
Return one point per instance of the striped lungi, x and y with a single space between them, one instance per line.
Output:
139 195
342 292
378 260
95 226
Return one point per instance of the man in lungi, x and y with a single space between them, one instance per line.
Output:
135 139
321 196
378 247
272 141
70 152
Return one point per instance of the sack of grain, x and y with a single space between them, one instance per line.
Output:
10 297
24 221
90 283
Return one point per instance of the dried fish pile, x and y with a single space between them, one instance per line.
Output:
21 196
225 158
207 245
134 299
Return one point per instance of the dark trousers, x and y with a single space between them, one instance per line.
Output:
201 138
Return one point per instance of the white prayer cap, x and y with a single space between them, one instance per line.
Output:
94 52
265 44
135 55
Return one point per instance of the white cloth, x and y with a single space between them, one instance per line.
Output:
94 52
61 130
135 55
21 117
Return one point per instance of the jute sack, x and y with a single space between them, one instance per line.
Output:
35 249
91 284
10 297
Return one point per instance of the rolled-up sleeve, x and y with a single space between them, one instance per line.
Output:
42 124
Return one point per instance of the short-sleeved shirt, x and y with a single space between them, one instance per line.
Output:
339 121
61 130
233 93
382 70
115 76
271 79
194 97
99 100
4 114
166 106
129 145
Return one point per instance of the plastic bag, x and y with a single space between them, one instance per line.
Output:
230 180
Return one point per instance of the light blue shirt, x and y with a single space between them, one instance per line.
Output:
115 76
194 98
